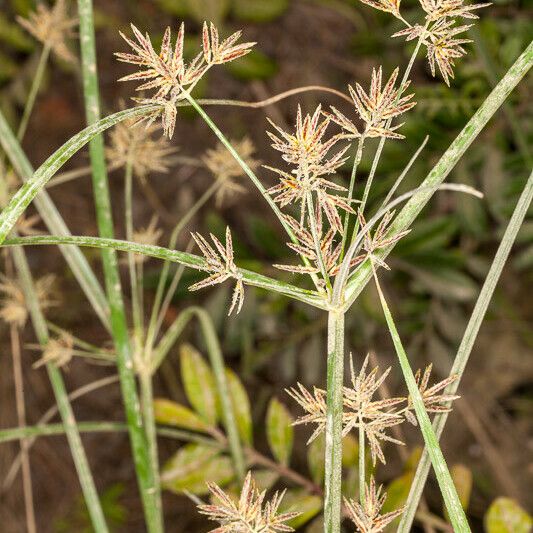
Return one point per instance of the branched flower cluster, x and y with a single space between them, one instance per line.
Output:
439 31
220 263
362 411
376 107
251 513
367 516
169 74
226 169
52 27
13 306
311 158
139 147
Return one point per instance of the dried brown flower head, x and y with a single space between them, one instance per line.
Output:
376 107
250 514
149 235
52 27
433 401
366 516
221 264
146 152
167 72
58 351
226 169
13 308
314 405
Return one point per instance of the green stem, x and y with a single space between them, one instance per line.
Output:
444 166
55 223
356 161
61 397
153 326
190 260
333 458
316 240
217 363
249 172
32 96
44 430
362 463
144 469
467 343
444 479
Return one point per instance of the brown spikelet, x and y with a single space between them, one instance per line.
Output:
366 516
221 265
252 511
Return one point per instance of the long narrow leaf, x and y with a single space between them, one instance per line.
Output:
467 343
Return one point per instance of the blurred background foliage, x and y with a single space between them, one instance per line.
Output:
436 270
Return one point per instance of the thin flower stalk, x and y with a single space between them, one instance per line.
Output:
147 471
252 513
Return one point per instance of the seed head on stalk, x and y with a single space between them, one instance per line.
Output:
251 513
168 73
221 265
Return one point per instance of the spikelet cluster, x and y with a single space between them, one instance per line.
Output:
227 171
310 158
376 107
168 74
367 516
145 150
149 235
52 26
251 513
13 306
219 262
439 32
58 351
374 416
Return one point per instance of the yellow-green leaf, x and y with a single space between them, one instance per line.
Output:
462 479
253 66
212 10
241 406
506 516
199 384
397 493
193 466
264 479
350 451
174 414
300 501
280 433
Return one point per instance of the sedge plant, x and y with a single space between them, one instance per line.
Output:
339 248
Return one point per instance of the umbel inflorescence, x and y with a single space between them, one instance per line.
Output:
374 416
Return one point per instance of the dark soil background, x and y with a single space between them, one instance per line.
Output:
433 284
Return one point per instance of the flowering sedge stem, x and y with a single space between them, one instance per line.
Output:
444 479
316 239
145 469
333 456
377 155
444 166
356 161
467 343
